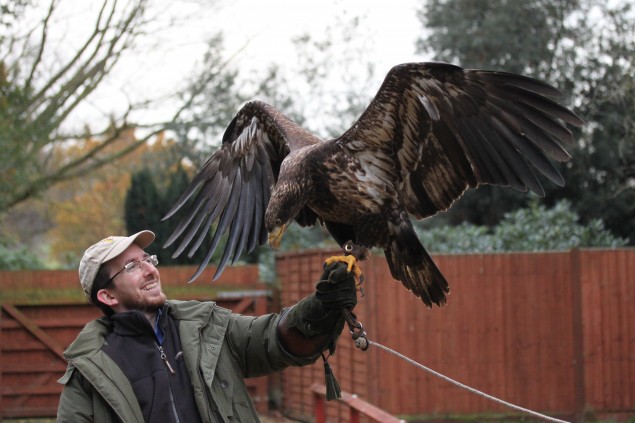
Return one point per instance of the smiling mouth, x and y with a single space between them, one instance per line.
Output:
150 286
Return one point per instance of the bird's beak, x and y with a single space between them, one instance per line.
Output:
275 236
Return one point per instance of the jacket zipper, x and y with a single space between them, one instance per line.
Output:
171 370
165 360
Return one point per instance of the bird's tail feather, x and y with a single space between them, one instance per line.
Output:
411 264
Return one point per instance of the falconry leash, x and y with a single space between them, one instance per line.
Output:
362 342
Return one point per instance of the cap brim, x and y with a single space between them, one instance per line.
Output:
142 239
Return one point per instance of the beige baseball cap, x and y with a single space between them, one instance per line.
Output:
107 249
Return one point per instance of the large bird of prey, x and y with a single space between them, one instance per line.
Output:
432 131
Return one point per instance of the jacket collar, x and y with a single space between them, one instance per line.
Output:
135 323
191 310
92 336
90 339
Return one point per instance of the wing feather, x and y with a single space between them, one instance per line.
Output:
498 162
233 187
447 129
234 213
216 197
537 127
258 212
247 202
226 218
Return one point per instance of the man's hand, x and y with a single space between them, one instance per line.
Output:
315 322
337 287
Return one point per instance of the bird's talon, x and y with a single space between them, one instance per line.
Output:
351 265
349 260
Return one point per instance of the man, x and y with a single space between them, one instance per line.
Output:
150 359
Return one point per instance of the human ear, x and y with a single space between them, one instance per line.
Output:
104 296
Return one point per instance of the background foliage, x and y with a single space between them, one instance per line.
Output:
535 228
62 188
583 48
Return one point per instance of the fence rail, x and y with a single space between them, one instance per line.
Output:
357 407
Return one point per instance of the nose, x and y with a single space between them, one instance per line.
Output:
147 266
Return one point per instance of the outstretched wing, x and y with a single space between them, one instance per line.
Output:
435 129
233 187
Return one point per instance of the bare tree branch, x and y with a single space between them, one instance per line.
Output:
34 117
44 98
38 57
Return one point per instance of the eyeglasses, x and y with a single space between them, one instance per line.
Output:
133 266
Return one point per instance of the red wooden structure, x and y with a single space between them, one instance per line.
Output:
357 407
553 332
47 309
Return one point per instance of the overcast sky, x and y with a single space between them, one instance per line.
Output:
260 30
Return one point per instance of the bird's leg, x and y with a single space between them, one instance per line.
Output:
351 264
352 253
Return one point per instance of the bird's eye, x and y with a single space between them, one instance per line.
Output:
278 222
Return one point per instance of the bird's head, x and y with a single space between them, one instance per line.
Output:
279 214
286 202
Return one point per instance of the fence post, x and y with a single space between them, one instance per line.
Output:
320 407
354 416
579 391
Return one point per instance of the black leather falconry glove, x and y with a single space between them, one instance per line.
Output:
319 317
321 313
337 288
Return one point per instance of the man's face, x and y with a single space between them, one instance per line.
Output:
136 290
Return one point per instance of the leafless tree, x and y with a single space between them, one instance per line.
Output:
41 88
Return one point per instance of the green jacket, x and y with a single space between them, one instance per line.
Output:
217 346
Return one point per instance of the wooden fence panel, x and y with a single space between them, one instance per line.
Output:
516 326
554 332
608 296
493 335
37 322
32 340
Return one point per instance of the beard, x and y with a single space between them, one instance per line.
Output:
143 303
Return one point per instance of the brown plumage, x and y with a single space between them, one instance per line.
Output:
432 131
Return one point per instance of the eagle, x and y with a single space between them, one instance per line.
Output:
432 131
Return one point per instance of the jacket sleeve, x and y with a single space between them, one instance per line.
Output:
254 342
76 403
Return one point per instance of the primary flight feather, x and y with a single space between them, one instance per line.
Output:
432 131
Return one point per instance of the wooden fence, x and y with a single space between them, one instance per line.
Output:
41 313
552 332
